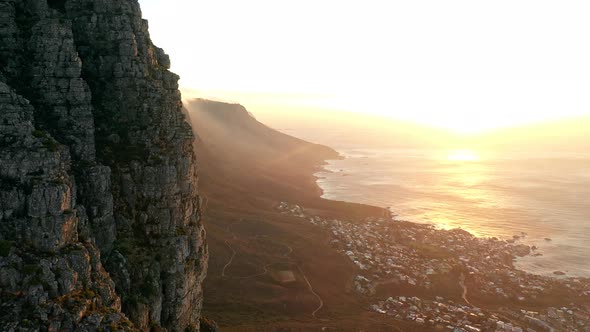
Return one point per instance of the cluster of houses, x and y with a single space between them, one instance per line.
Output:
558 319
443 314
418 255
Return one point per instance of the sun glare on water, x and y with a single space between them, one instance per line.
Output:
462 155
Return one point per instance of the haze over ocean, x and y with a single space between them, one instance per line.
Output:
542 194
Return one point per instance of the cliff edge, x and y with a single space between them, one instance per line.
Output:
100 224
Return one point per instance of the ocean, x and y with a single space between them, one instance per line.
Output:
541 197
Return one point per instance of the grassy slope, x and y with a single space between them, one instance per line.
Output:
246 170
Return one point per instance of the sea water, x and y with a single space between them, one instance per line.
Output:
540 198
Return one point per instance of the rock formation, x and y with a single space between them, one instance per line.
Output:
99 211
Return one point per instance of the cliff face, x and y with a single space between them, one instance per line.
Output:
99 211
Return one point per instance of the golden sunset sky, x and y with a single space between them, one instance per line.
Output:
464 65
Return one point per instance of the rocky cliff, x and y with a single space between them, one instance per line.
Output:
99 211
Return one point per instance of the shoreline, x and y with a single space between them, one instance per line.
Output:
404 261
519 262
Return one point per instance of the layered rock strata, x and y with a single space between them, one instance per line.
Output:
99 211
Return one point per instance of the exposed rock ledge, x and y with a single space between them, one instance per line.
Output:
99 212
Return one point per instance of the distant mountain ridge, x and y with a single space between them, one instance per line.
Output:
233 128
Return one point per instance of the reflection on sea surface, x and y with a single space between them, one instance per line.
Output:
502 195
462 155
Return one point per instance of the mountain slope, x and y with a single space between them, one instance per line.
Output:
240 154
232 127
246 170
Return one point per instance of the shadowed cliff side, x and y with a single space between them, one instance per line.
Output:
96 169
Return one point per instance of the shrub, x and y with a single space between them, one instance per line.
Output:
124 246
31 269
5 247
50 144
147 289
39 134
88 294
208 325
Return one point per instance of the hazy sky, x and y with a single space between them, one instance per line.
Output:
466 65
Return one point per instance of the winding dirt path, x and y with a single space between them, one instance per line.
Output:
288 252
321 302
265 268
462 284
254 275
233 255
231 259
204 204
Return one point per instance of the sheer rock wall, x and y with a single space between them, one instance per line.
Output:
99 210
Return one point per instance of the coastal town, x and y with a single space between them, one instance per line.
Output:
450 279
